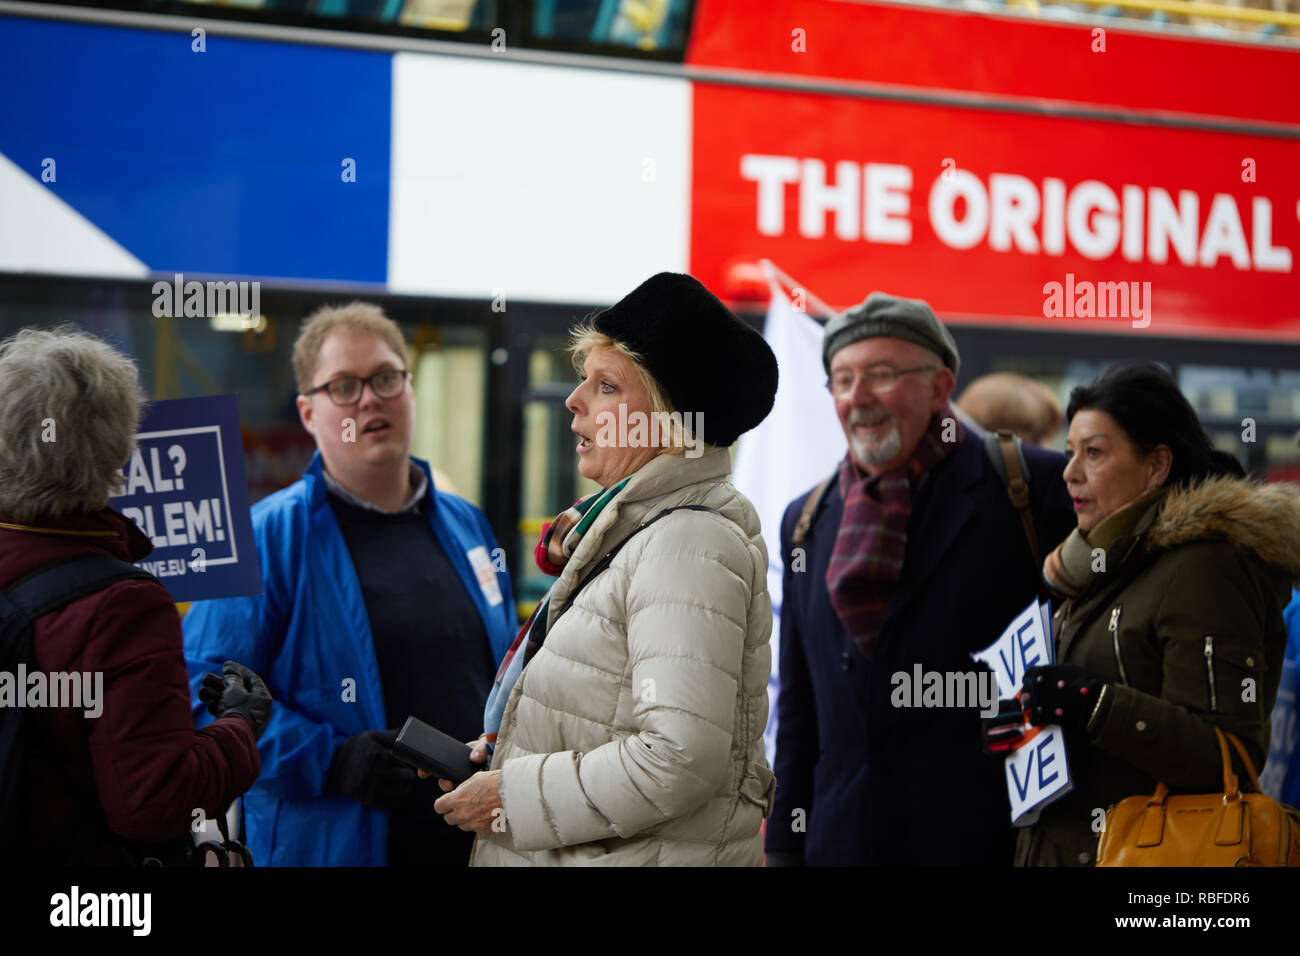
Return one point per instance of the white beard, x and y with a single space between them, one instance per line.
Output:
879 452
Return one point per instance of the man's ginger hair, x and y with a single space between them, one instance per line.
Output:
362 317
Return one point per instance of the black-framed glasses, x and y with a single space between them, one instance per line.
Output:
346 390
881 379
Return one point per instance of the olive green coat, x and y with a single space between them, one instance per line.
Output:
1185 625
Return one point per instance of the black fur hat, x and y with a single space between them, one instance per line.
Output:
708 361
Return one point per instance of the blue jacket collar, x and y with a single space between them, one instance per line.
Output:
314 476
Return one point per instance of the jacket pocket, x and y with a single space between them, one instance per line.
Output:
1228 667
759 788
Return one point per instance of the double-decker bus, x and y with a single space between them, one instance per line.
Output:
1067 184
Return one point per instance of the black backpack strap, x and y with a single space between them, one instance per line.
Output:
608 559
53 586
37 593
1008 458
812 507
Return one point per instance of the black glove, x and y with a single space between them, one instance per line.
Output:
240 692
1060 694
1001 732
364 769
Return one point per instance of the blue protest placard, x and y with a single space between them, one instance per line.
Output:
1038 773
185 488
1026 642
1038 768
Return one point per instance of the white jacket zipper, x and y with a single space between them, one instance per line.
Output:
1114 637
1209 672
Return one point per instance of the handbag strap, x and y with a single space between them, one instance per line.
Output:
1231 786
1231 789
1241 752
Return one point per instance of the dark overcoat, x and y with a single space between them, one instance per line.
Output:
860 781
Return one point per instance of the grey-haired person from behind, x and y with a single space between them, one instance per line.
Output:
119 781
908 558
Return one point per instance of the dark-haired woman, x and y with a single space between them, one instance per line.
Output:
1175 582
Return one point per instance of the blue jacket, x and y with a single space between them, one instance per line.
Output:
308 636
860 782
1284 753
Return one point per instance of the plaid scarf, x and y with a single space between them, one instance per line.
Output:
867 560
559 540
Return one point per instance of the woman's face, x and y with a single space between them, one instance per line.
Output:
1106 471
608 405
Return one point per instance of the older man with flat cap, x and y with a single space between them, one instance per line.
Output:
904 561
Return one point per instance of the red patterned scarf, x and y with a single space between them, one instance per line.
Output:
872 539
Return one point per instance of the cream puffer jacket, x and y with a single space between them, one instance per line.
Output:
634 737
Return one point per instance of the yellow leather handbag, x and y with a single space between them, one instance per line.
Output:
1215 829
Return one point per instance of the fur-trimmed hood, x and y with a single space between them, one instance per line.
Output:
1262 517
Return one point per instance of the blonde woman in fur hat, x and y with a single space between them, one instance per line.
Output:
1175 582
628 716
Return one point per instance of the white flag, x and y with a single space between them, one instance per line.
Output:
794 448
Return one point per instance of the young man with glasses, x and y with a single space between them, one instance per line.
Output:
384 598
910 555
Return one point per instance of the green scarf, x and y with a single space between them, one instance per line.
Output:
1072 568
560 537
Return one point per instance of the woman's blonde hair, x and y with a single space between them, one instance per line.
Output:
585 337
69 408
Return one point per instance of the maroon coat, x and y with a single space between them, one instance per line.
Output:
140 767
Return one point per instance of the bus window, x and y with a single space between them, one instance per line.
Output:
657 25
450 15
